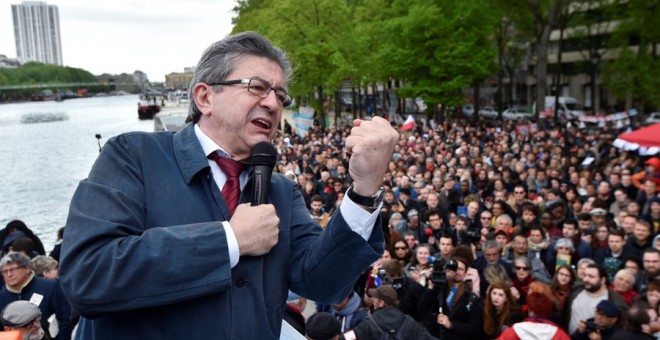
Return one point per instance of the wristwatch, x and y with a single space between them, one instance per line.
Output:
368 201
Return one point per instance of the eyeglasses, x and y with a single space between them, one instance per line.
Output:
400 248
10 270
260 88
521 268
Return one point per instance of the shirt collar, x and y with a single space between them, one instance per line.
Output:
208 145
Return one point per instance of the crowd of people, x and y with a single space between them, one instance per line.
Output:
488 226
485 228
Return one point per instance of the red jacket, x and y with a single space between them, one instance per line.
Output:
534 328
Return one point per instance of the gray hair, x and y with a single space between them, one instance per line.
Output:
489 244
585 260
504 217
565 242
17 258
524 260
42 264
219 60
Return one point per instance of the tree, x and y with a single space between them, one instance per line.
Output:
633 74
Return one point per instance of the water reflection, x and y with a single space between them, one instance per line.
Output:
41 163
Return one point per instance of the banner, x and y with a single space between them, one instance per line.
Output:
303 120
619 116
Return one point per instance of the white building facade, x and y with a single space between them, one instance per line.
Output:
37 32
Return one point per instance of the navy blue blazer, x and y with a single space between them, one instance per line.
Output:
145 255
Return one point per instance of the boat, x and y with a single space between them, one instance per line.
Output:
171 119
149 106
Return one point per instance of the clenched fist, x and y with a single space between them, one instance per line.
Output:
371 145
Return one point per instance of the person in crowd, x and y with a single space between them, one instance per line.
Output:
16 229
472 278
411 239
22 284
486 219
391 228
537 325
623 284
637 324
628 224
492 253
349 311
528 219
413 225
521 279
419 269
460 317
46 267
640 240
317 211
25 317
519 247
603 325
582 248
612 257
57 248
599 238
401 252
447 245
554 232
408 291
652 295
434 221
538 243
23 245
581 267
387 320
651 270
322 326
562 283
564 254
500 310
634 266
581 303
252 254
494 273
653 215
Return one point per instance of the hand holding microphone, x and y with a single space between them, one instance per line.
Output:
256 225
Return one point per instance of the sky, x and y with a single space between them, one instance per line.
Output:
120 36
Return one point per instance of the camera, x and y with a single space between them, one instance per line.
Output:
439 265
469 236
591 327
395 282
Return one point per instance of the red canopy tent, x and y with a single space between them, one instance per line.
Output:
645 140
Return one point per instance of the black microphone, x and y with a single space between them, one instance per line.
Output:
263 160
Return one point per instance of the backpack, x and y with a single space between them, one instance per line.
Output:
388 334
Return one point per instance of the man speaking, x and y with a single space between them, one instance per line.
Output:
162 242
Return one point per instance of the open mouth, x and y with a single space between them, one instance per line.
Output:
265 124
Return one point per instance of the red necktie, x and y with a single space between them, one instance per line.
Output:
231 191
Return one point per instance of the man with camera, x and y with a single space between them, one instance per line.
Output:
602 326
408 291
448 309
387 319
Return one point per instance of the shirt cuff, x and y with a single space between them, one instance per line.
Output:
232 244
358 219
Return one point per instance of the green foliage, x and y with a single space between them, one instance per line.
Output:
32 73
635 72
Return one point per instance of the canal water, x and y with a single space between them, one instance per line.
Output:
46 148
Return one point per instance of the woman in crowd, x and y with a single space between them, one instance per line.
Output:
401 252
500 310
521 279
633 265
623 284
419 269
562 283
599 238
565 249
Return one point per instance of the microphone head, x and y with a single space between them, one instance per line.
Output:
264 153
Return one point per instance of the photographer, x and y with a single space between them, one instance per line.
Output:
602 326
387 319
460 315
408 291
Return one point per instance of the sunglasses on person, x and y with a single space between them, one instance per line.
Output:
400 248
521 268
